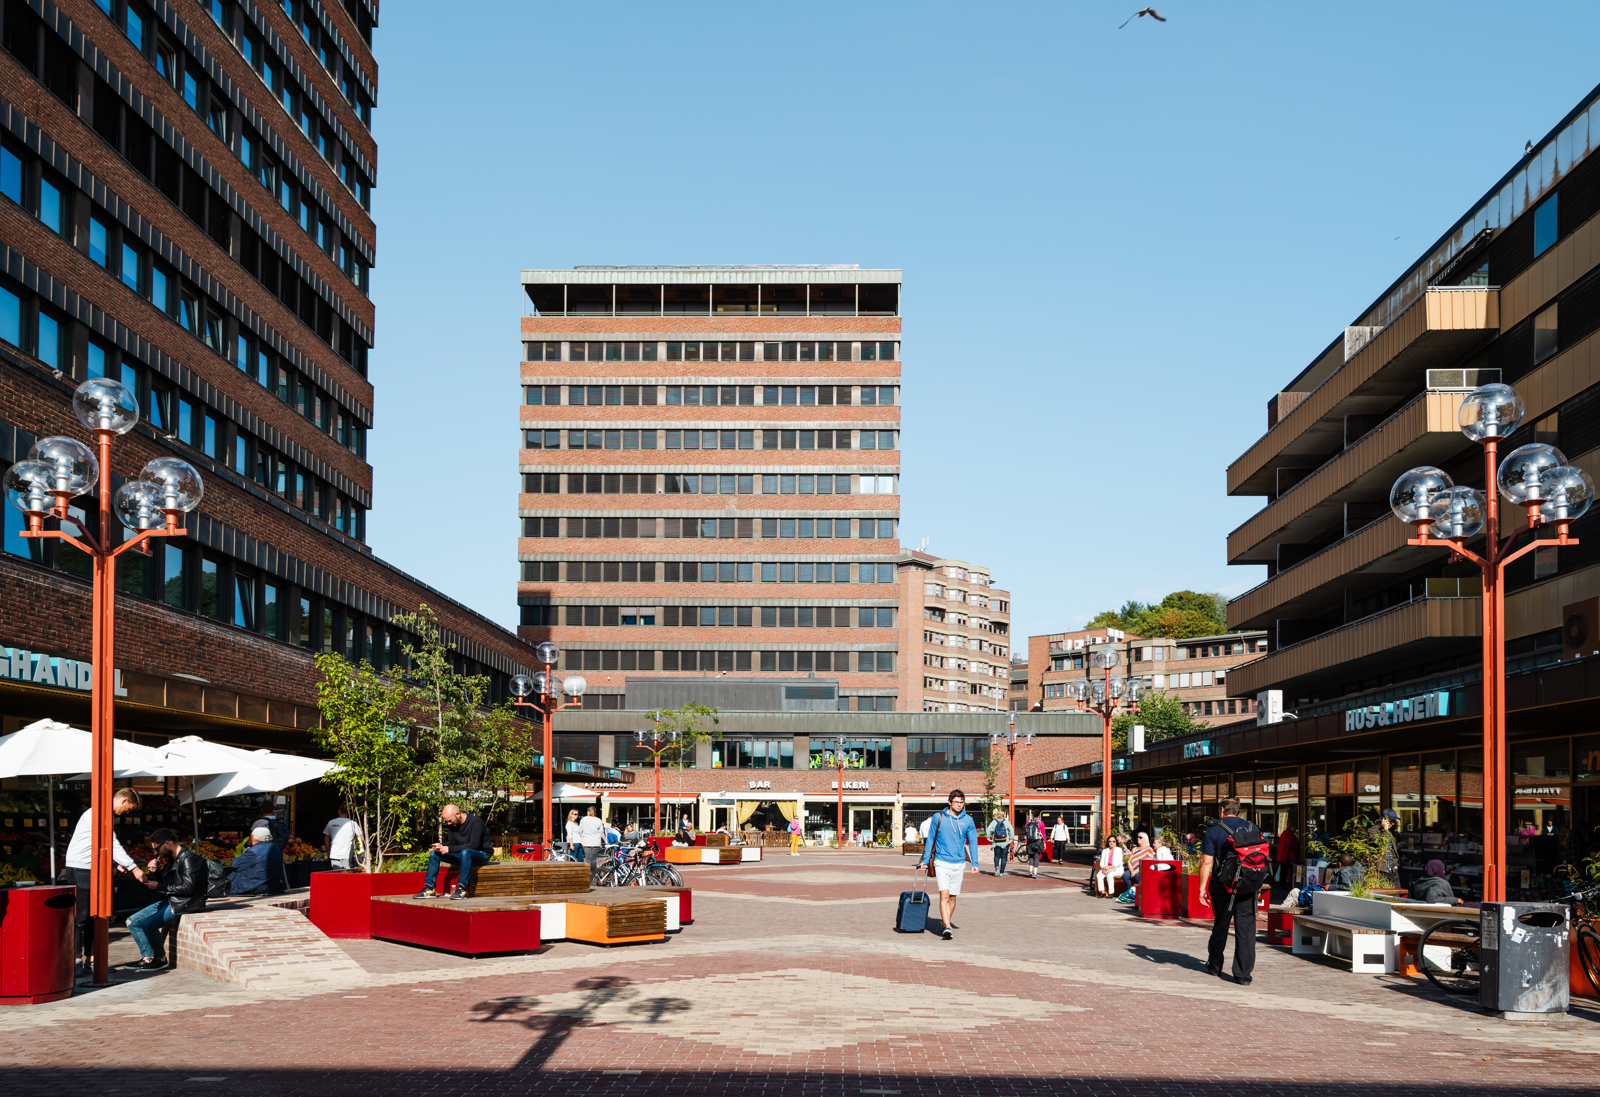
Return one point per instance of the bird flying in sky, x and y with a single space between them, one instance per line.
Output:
1152 12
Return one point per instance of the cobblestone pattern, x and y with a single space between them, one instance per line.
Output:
262 947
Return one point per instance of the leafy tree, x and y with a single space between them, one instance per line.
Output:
690 722
1163 717
377 771
991 777
1180 615
476 753
1108 618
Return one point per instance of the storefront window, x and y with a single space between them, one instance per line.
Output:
1405 796
858 754
1316 829
752 754
1468 845
1541 781
1369 786
965 753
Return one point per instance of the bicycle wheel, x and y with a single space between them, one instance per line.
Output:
1588 946
659 876
1449 956
608 875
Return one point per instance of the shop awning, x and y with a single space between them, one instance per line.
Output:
49 748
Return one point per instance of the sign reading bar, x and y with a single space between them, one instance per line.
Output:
1404 711
760 784
37 668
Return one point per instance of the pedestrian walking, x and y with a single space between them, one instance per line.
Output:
1001 838
591 838
1058 840
1033 835
794 836
1288 855
574 844
340 839
79 856
1233 866
952 850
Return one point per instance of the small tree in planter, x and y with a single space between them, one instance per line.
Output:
1367 843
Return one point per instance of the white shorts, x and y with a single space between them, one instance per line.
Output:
949 874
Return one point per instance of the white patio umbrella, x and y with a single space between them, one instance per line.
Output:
230 771
50 748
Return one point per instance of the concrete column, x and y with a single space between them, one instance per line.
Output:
899 824
605 807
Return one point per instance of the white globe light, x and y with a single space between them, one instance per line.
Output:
574 685
177 481
1105 658
28 487
1116 687
543 683
1491 411
1568 493
1412 497
1458 514
101 403
74 469
138 505
547 652
521 685
1519 473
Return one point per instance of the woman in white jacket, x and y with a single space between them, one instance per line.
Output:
1108 868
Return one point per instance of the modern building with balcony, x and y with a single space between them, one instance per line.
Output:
711 474
1370 684
960 623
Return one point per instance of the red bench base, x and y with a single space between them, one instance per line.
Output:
444 925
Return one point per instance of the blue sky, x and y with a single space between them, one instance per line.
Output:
1117 244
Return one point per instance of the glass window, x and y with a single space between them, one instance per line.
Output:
50 205
131 268
98 234
174 576
133 25
945 753
1545 334
209 594
10 176
1544 225
271 621
858 753
49 348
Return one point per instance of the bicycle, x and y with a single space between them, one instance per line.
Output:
636 867
1458 944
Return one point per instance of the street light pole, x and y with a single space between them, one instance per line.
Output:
838 761
1535 477
56 470
659 745
1009 738
1104 697
545 686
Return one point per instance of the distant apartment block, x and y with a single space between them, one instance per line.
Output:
960 623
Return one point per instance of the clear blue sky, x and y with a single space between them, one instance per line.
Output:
1116 243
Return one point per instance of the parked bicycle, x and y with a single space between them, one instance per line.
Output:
1450 952
634 866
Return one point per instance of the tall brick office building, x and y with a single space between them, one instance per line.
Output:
185 208
710 472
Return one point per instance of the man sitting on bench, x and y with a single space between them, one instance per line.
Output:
466 843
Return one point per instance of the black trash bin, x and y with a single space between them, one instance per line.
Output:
1525 954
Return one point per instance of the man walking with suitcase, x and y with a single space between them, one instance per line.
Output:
952 850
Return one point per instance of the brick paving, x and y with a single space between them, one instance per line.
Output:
791 982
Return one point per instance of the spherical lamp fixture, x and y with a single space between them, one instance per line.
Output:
1568 493
28 486
574 685
178 483
1458 514
1412 497
521 685
74 469
1491 411
104 404
138 505
1105 658
544 683
547 652
1519 473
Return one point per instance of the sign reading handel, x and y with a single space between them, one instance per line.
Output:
37 668
1404 711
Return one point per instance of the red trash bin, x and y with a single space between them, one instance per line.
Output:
528 852
1160 889
37 934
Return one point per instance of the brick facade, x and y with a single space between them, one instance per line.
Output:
958 624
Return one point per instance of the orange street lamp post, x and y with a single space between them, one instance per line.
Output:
1010 739
1105 697
838 761
658 746
58 469
544 685
1535 477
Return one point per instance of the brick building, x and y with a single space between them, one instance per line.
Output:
1195 670
1017 698
184 196
960 623
710 472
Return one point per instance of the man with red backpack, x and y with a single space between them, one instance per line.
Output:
1235 861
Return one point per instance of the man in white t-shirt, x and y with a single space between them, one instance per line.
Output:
339 839
912 834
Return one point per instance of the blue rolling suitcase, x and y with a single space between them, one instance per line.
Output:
913 914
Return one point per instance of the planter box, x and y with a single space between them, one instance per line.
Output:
1347 908
1192 908
470 930
341 902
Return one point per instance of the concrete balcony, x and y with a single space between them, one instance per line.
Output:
1423 432
1443 324
1419 628
1371 556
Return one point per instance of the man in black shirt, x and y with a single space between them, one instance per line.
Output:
466 843
1243 913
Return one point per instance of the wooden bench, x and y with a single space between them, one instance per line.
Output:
911 847
709 855
1368 950
607 916
505 878
471 926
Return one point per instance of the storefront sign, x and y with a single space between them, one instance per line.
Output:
760 784
859 786
1403 711
40 669
1285 786
1541 790
1201 749
1117 766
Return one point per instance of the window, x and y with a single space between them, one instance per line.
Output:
49 344
174 576
942 753
752 753
858 753
1545 228
191 90
210 595
98 236
132 267
133 27
10 176
159 293
1545 331
50 205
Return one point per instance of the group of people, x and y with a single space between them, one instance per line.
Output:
1006 843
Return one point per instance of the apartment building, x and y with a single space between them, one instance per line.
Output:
710 473
1373 645
1017 699
1194 671
954 616
185 197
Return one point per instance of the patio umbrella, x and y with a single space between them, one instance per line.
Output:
47 748
230 771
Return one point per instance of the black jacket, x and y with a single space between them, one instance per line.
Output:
470 833
1431 889
184 882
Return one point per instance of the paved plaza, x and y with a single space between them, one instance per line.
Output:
791 981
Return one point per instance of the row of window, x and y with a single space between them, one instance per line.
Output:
786 662
674 483
711 616
710 396
682 299
30 327
293 387
743 528
934 613
972 643
710 439
722 571
833 351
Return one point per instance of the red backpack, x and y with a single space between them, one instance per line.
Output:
1245 862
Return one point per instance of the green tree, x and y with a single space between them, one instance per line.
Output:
476 753
1163 717
377 771
1180 615
690 721
991 778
